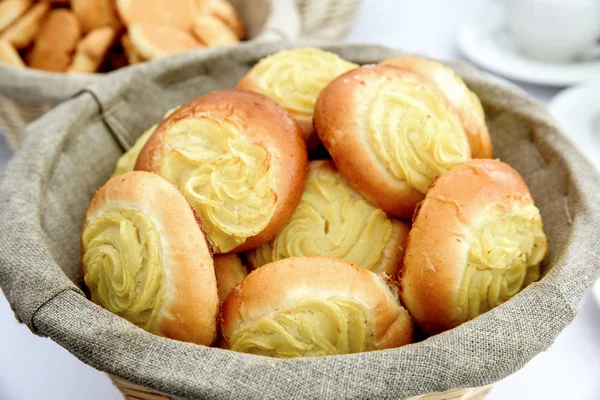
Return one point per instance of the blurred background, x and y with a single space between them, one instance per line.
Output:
548 49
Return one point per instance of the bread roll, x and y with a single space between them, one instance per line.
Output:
23 31
9 55
126 162
146 259
238 158
56 41
230 271
92 50
390 133
465 102
294 78
11 10
95 14
477 240
154 41
313 306
333 220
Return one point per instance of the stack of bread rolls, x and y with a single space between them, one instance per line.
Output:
101 35
219 227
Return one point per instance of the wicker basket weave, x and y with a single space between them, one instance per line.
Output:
132 391
27 94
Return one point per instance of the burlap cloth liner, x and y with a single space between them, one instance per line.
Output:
70 153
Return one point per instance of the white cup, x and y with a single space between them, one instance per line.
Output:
554 30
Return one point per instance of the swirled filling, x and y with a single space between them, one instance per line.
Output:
123 268
295 78
504 258
314 327
414 133
332 220
227 179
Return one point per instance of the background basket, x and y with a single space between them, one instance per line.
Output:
71 151
26 94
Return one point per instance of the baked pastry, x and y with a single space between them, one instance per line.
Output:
230 271
175 13
56 41
94 14
294 78
240 161
465 102
212 31
222 10
390 133
92 50
145 258
154 41
23 31
11 10
313 306
477 240
333 220
9 55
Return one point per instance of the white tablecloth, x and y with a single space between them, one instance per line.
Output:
36 368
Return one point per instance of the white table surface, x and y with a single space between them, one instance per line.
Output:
37 368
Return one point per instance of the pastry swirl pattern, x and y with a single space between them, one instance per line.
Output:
414 133
123 266
295 78
314 327
332 220
227 179
504 258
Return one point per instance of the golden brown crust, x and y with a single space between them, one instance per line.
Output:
394 251
437 245
23 31
276 286
230 271
457 93
265 122
190 303
337 131
94 14
56 41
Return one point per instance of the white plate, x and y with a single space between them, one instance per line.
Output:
577 110
484 40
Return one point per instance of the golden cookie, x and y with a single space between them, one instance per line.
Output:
92 50
213 32
94 14
9 55
154 41
11 10
176 13
56 42
23 31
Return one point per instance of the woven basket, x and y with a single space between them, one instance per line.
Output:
26 94
131 391
70 152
